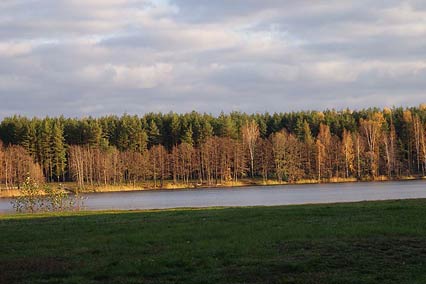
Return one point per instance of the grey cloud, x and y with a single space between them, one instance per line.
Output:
98 57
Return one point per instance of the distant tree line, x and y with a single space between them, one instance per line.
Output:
207 149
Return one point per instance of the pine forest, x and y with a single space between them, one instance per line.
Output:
202 149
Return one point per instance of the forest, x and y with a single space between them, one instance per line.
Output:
203 149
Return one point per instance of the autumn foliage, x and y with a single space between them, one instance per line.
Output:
205 150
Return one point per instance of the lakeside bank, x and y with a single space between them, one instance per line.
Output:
170 185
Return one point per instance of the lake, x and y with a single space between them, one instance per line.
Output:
249 196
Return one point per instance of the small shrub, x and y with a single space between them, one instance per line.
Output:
28 201
35 198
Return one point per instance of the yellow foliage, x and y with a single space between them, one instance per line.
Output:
407 116
387 110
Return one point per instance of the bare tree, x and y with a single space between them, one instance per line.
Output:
251 133
372 131
286 151
423 148
265 158
348 152
323 144
76 161
417 130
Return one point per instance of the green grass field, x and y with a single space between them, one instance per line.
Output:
370 242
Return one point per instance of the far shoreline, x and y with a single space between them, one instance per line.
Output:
71 187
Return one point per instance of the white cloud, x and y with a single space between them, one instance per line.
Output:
11 49
141 76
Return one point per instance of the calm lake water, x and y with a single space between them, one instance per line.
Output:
250 196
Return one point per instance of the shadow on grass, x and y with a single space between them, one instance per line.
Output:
368 242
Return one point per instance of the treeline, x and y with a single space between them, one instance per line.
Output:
205 149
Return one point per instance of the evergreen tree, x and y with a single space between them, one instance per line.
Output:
59 158
44 147
187 136
30 138
175 129
153 134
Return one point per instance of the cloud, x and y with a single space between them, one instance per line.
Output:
12 49
137 76
78 57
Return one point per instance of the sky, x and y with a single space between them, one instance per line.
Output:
97 57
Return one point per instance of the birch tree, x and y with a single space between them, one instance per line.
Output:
250 133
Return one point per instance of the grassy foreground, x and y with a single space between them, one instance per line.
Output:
369 242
